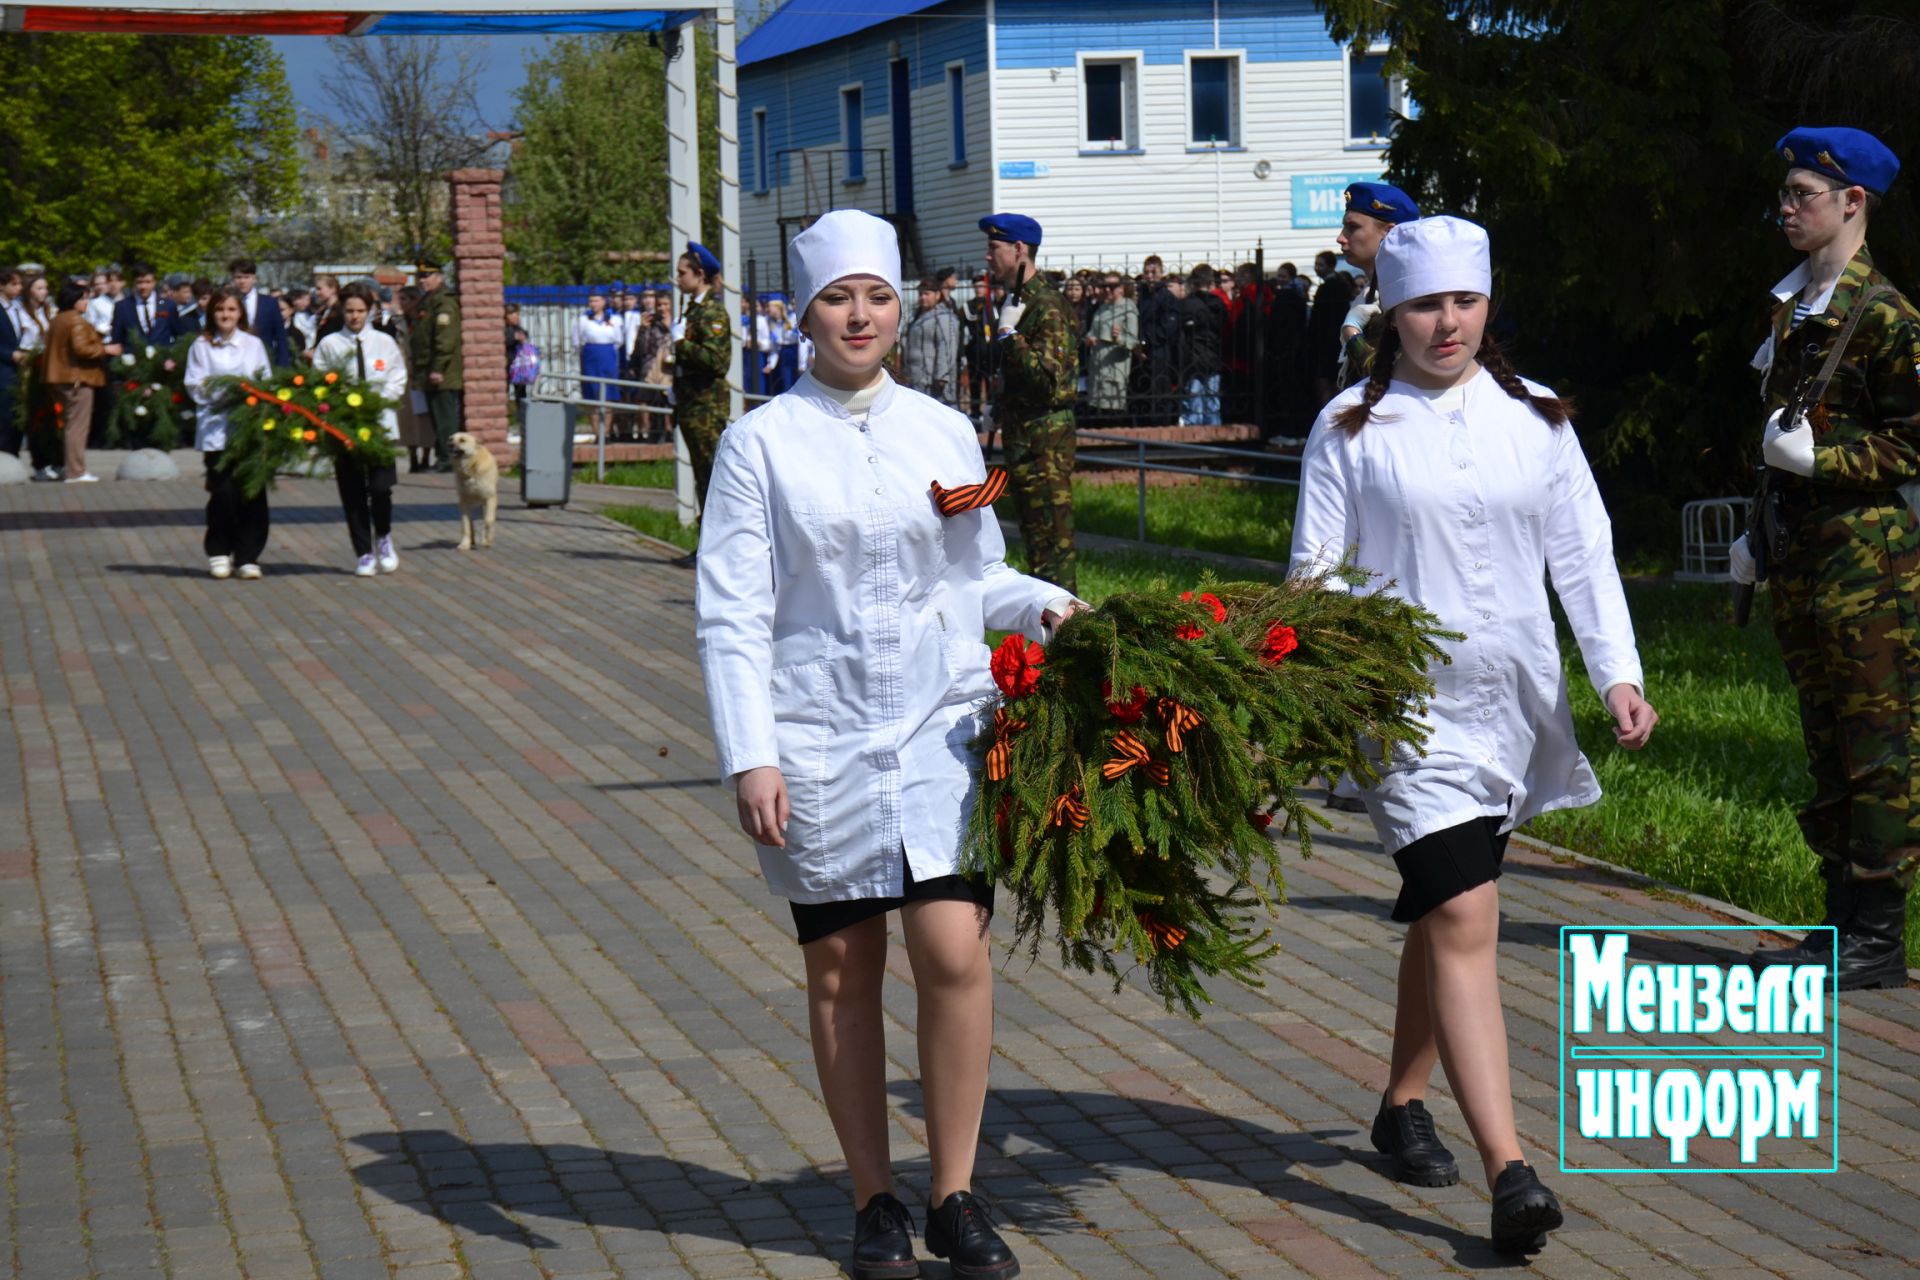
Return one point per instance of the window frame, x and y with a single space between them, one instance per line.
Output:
1133 60
849 121
1397 100
762 152
957 114
1236 99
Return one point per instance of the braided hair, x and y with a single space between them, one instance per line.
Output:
1555 409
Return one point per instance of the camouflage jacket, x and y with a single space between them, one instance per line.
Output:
1867 427
701 358
1040 363
1356 356
436 341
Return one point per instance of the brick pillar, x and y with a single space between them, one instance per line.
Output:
479 254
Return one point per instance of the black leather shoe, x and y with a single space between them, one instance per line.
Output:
960 1232
1406 1135
1817 948
1873 948
1523 1210
883 1241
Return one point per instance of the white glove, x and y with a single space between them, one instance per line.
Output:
1788 450
1010 313
1740 562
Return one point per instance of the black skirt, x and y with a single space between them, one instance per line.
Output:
816 920
1447 863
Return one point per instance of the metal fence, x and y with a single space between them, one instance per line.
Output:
1265 464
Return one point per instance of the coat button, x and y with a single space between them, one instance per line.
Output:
879 489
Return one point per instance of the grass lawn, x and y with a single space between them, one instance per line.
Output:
639 475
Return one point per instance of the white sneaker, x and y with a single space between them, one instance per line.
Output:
247 571
389 558
85 477
220 566
365 569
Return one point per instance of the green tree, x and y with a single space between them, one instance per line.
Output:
1620 153
588 174
149 147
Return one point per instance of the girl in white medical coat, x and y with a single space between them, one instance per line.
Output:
840 622
1463 487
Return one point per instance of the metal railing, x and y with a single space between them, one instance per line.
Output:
544 392
1140 464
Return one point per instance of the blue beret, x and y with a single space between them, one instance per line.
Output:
1016 227
704 256
1383 201
1847 155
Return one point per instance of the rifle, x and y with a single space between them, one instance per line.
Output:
1766 519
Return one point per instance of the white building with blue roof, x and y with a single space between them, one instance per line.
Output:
1194 129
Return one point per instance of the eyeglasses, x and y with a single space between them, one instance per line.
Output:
1794 197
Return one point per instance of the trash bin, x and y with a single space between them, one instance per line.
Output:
546 453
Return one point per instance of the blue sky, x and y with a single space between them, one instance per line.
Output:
307 67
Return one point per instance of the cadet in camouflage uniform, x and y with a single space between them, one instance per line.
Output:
1845 603
435 348
701 359
1373 209
1039 351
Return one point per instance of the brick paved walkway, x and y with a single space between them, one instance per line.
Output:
365 928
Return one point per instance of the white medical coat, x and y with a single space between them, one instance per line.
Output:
840 630
1461 512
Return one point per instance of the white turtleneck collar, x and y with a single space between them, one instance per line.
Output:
857 403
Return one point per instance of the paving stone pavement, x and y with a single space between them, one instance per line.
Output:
396 928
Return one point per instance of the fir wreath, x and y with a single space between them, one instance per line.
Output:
152 404
1133 767
287 419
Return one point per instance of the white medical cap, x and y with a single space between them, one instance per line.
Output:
1433 255
845 242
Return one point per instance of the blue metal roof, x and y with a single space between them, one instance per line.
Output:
605 21
802 24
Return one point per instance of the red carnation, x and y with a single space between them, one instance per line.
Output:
1129 712
1210 600
133 386
1016 666
1280 642
178 398
326 408
1187 631
1261 821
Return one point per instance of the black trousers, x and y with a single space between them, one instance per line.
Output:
9 433
367 494
236 525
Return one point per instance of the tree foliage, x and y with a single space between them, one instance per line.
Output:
140 147
409 105
588 176
1620 153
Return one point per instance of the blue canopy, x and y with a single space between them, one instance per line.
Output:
802 24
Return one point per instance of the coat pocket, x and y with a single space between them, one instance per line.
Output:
802 698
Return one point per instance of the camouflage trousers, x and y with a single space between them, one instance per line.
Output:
1845 612
1039 458
701 421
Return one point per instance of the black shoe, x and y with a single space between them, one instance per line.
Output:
1817 948
1406 1134
444 468
686 561
960 1232
883 1241
1523 1210
1873 947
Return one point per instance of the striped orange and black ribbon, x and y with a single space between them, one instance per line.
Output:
968 497
1180 721
1129 751
1000 754
1165 936
1069 811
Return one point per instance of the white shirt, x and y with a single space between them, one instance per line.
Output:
1791 286
30 325
386 368
1460 509
100 313
630 322
587 331
208 358
841 626
307 324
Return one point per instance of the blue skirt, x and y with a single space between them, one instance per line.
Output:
599 360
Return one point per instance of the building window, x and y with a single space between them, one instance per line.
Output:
1374 100
1109 102
853 129
957 112
1213 94
762 152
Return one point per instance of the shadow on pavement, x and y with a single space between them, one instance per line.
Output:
1062 1141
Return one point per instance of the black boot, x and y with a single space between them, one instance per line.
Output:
1406 1134
1523 1210
1873 946
883 1241
960 1231
1817 948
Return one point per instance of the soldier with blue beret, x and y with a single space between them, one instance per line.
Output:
1838 541
702 356
1373 209
704 256
1039 352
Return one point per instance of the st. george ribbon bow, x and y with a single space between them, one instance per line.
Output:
951 502
1129 751
1001 752
1069 811
1180 721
